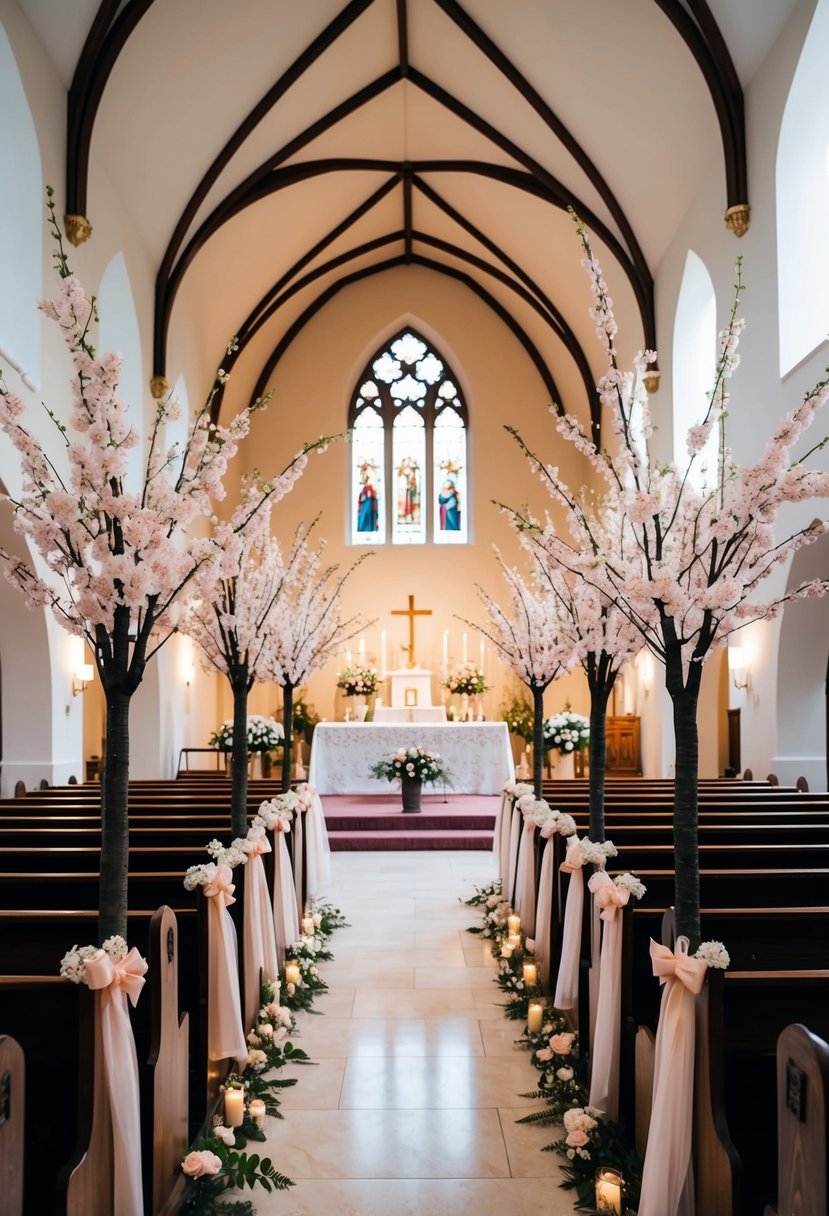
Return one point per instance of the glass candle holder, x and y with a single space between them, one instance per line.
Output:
609 1190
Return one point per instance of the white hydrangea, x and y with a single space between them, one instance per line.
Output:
566 825
714 954
199 876
595 852
629 882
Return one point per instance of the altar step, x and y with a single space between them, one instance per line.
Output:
378 823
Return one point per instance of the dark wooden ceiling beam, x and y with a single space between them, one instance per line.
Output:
107 37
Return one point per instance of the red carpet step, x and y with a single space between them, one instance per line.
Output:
372 822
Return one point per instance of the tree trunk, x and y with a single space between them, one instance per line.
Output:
686 834
599 693
538 738
115 845
239 787
288 725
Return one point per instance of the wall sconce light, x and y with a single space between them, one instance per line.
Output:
189 673
737 667
83 678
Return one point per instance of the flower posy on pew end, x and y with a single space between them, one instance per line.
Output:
714 954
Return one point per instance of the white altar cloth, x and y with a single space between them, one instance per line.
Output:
478 754
414 713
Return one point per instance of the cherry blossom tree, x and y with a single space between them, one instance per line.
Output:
308 629
116 557
681 550
534 641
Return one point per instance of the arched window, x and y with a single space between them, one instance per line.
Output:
409 427
802 189
694 363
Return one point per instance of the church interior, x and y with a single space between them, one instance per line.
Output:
364 213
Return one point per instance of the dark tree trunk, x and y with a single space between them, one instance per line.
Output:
288 725
597 750
115 844
239 787
684 695
538 738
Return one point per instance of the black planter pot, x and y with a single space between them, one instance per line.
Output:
411 788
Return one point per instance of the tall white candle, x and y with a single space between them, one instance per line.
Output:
514 923
361 650
291 972
483 654
234 1107
445 651
464 648
535 1017
530 975
348 658
383 655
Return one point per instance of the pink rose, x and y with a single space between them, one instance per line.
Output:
576 1138
196 1164
544 1054
561 1043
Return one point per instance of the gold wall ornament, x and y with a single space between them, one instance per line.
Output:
651 380
159 387
78 229
738 218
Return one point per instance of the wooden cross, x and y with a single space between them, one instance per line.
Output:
411 612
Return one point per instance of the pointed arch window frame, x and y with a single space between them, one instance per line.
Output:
429 407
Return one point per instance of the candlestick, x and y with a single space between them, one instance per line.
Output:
535 1016
234 1107
348 658
609 1190
308 926
383 655
464 648
514 940
291 972
514 923
257 1112
530 975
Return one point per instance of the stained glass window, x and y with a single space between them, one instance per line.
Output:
408 453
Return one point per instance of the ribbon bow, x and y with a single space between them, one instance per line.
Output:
608 896
573 859
105 972
222 885
257 846
681 966
549 827
281 824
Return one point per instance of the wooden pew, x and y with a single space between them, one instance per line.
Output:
802 1124
12 1132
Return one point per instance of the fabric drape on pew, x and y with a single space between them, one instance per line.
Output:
259 954
516 823
667 1178
115 980
604 1071
567 984
317 848
505 830
545 903
496 835
225 1036
525 873
286 922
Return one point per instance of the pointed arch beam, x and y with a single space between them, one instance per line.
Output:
390 264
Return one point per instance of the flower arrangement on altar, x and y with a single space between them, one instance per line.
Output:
358 681
566 732
467 679
264 734
518 715
414 763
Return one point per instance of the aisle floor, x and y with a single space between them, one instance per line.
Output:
411 1109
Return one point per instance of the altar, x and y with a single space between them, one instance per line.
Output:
478 754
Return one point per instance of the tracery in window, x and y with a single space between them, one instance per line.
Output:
409 449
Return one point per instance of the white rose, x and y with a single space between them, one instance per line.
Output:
266 1030
225 1134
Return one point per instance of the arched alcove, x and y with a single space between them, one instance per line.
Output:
25 677
802 193
801 668
21 232
119 331
694 359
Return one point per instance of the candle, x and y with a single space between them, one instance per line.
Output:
291 972
348 658
535 1016
257 1112
234 1107
445 651
483 653
361 650
530 975
308 926
383 655
608 1190
514 923
514 940
464 648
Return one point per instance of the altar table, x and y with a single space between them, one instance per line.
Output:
478 754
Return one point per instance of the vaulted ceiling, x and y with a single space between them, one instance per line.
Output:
281 151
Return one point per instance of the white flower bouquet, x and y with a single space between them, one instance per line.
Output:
413 762
264 734
566 732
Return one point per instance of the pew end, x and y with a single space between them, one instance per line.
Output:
802 1124
12 1108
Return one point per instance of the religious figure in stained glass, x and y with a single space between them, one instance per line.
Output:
367 500
450 507
408 492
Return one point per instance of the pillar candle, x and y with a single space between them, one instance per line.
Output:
514 940
608 1191
514 923
383 655
291 972
483 653
308 926
530 975
535 1017
464 648
445 651
234 1107
348 658
257 1112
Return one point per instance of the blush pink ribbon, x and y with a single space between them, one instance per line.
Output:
106 973
259 954
567 982
682 966
607 895
572 859
282 825
549 828
257 846
525 874
222 886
